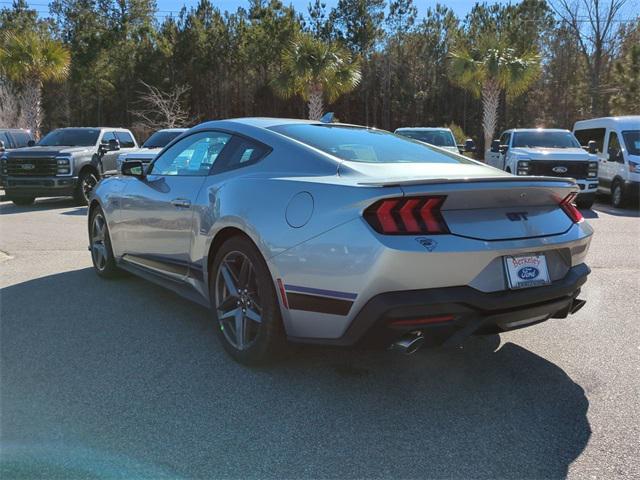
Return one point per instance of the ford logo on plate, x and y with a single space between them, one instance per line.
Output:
28 166
528 273
560 169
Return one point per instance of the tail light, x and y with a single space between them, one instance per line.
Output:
570 209
405 216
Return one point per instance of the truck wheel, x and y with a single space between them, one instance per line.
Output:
23 201
245 303
617 194
586 200
86 182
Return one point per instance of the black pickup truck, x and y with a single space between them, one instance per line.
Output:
66 162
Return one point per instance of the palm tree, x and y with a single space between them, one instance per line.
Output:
29 59
489 70
316 70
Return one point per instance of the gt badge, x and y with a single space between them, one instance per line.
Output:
427 243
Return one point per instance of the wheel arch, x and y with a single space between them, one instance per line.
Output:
220 237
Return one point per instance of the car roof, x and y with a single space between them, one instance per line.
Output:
538 130
621 120
172 130
425 129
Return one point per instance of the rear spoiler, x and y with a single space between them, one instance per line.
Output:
496 179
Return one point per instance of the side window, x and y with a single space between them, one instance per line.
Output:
613 149
191 156
596 134
5 139
504 140
108 136
242 152
125 139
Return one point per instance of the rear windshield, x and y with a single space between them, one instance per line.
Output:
359 144
544 139
632 141
71 137
439 138
160 139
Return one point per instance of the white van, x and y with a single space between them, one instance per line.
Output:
618 143
438 137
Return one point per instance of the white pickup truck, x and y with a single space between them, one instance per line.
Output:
549 152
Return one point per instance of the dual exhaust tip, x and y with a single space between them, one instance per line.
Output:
409 343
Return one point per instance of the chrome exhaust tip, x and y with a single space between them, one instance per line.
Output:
577 305
408 344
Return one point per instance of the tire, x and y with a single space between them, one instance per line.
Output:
87 181
23 201
617 194
585 201
102 257
244 297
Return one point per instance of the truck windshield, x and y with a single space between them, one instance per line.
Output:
439 138
632 141
160 139
369 145
545 139
71 137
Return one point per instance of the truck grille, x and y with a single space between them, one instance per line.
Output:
577 170
32 167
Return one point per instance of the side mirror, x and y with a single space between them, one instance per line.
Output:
495 146
469 145
31 143
2 146
133 168
592 146
503 149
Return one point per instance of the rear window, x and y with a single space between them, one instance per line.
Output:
125 139
439 138
544 139
160 139
358 144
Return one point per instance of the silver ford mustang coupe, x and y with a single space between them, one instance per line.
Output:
304 231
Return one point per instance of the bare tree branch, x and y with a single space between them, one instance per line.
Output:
162 109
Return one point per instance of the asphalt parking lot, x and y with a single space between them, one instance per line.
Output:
122 379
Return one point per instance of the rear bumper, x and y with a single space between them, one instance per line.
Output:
39 186
473 311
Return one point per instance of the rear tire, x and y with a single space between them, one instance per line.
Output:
23 201
87 181
617 194
245 305
102 257
586 200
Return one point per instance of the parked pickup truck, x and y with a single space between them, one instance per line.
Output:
549 152
151 147
67 161
12 138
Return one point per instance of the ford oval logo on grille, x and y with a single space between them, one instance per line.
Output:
560 169
528 273
28 166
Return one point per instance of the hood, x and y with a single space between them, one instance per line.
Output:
372 173
43 151
552 153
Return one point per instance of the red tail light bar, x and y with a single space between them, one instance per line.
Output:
570 209
407 215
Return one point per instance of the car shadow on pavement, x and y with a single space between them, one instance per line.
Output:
42 204
134 375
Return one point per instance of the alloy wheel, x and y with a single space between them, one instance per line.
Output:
88 183
98 245
237 300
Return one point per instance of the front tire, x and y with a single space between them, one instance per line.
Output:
23 201
87 181
617 194
586 200
102 257
245 304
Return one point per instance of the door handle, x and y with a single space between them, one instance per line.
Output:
181 203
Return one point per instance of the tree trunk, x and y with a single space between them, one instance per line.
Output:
315 103
32 105
490 103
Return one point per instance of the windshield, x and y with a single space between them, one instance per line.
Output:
545 139
439 138
367 145
160 139
632 141
71 137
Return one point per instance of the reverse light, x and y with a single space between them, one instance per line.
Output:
570 209
405 216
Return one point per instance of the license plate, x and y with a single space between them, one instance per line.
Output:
526 271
